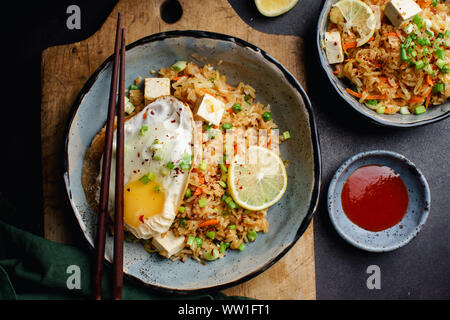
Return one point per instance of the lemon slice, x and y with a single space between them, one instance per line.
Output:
359 16
259 182
273 8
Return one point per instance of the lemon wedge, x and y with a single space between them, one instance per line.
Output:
273 8
358 16
258 183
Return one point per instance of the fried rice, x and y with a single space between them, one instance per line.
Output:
398 67
206 198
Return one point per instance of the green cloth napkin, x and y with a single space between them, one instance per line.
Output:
34 268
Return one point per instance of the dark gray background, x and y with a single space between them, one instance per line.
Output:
419 270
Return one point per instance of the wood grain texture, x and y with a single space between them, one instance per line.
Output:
65 69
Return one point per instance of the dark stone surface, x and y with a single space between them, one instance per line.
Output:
416 271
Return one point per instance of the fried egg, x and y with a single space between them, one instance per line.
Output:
158 152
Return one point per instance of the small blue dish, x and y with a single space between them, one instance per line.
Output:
398 235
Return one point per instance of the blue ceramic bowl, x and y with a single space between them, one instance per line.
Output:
433 114
291 109
398 235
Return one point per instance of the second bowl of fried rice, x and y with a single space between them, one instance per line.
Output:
400 77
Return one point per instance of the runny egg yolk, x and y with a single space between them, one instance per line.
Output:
142 201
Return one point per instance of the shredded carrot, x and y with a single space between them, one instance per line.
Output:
198 191
208 223
424 3
427 102
391 34
201 180
421 98
208 92
335 72
178 78
350 45
415 99
358 95
371 38
429 81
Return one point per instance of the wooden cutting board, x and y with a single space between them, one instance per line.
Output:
65 69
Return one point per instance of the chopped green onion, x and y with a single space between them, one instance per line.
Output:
223 247
247 211
418 21
190 240
203 165
181 209
247 97
232 204
232 227
267 116
241 247
440 63
222 184
403 55
179 66
216 210
207 126
440 53
211 234
134 87
211 80
420 110
144 179
286 135
198 242
251 235
429 70
158 155
151 175
188 193
184 166
434 3
438 87
202 202
380 110
157 188
447 34
237 108
445 69
372 102
170 165
227 126
143 130
210 256
425 51
223 168
420 65
164 171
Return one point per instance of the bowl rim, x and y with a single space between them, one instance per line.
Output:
377 153
315 193
355 105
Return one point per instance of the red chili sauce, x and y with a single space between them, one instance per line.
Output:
374 197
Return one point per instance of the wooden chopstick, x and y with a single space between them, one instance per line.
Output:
118 218
106 169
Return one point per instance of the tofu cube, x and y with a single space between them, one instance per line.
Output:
333 47
209 109
400 11
168 243
155 88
